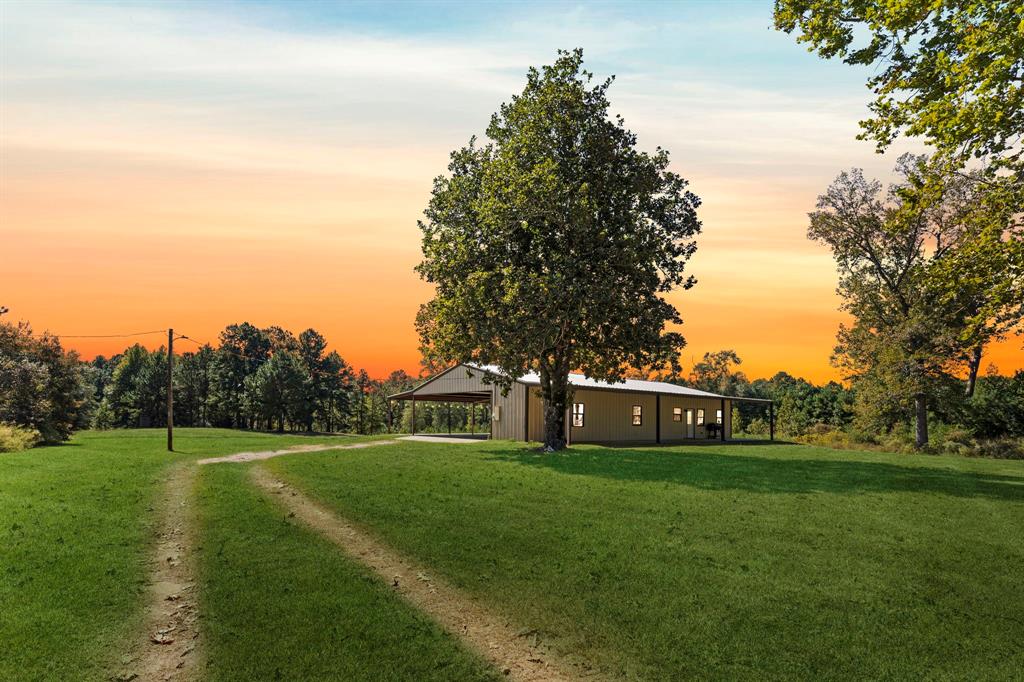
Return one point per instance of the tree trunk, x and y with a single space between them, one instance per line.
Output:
555 393
973 363
921 408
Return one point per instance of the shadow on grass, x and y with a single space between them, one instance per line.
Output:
712 470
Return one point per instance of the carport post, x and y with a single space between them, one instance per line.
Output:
472 418
449 406
771 420
413 429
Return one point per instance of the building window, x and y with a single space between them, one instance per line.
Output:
577 415
700 417
638 418
718 416
677 414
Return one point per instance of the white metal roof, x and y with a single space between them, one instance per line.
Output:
630 385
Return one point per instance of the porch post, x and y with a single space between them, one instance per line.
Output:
657 418
722 425
568 425
526 414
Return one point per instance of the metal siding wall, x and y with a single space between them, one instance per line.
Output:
510 426
671 430
675 431
607 416
456 381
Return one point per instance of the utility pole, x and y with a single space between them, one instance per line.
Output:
170 390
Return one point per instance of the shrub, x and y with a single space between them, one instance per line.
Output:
830 438
996 448
946 440
757 427
17 438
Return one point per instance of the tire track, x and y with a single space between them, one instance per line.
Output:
169 648
512 650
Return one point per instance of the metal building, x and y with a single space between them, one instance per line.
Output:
632 411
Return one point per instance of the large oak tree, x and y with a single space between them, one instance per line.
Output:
551 245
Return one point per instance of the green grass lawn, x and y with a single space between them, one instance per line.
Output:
75 526
721 561
280 602
714 561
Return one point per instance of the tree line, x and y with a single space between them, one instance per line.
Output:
270 379
988 418
254 378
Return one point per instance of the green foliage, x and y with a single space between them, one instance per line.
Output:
15 438
930 270
977 283
714 373
949 71
42 387
997 407
243 348
193 386
944 440
551 245
277 391
137 393
800 406
255 378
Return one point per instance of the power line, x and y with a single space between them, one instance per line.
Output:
155 331
219 350
106 336
189 338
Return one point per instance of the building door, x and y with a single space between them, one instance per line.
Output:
691 430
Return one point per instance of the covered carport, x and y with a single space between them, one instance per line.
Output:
474 398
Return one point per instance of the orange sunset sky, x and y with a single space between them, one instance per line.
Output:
193 165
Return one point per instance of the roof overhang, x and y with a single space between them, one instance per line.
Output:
467 397
581 383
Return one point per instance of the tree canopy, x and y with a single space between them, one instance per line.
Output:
948 71
552 244
42 386
931 271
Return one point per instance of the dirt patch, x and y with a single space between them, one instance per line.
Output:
445 439
168 648
514 650
256 456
